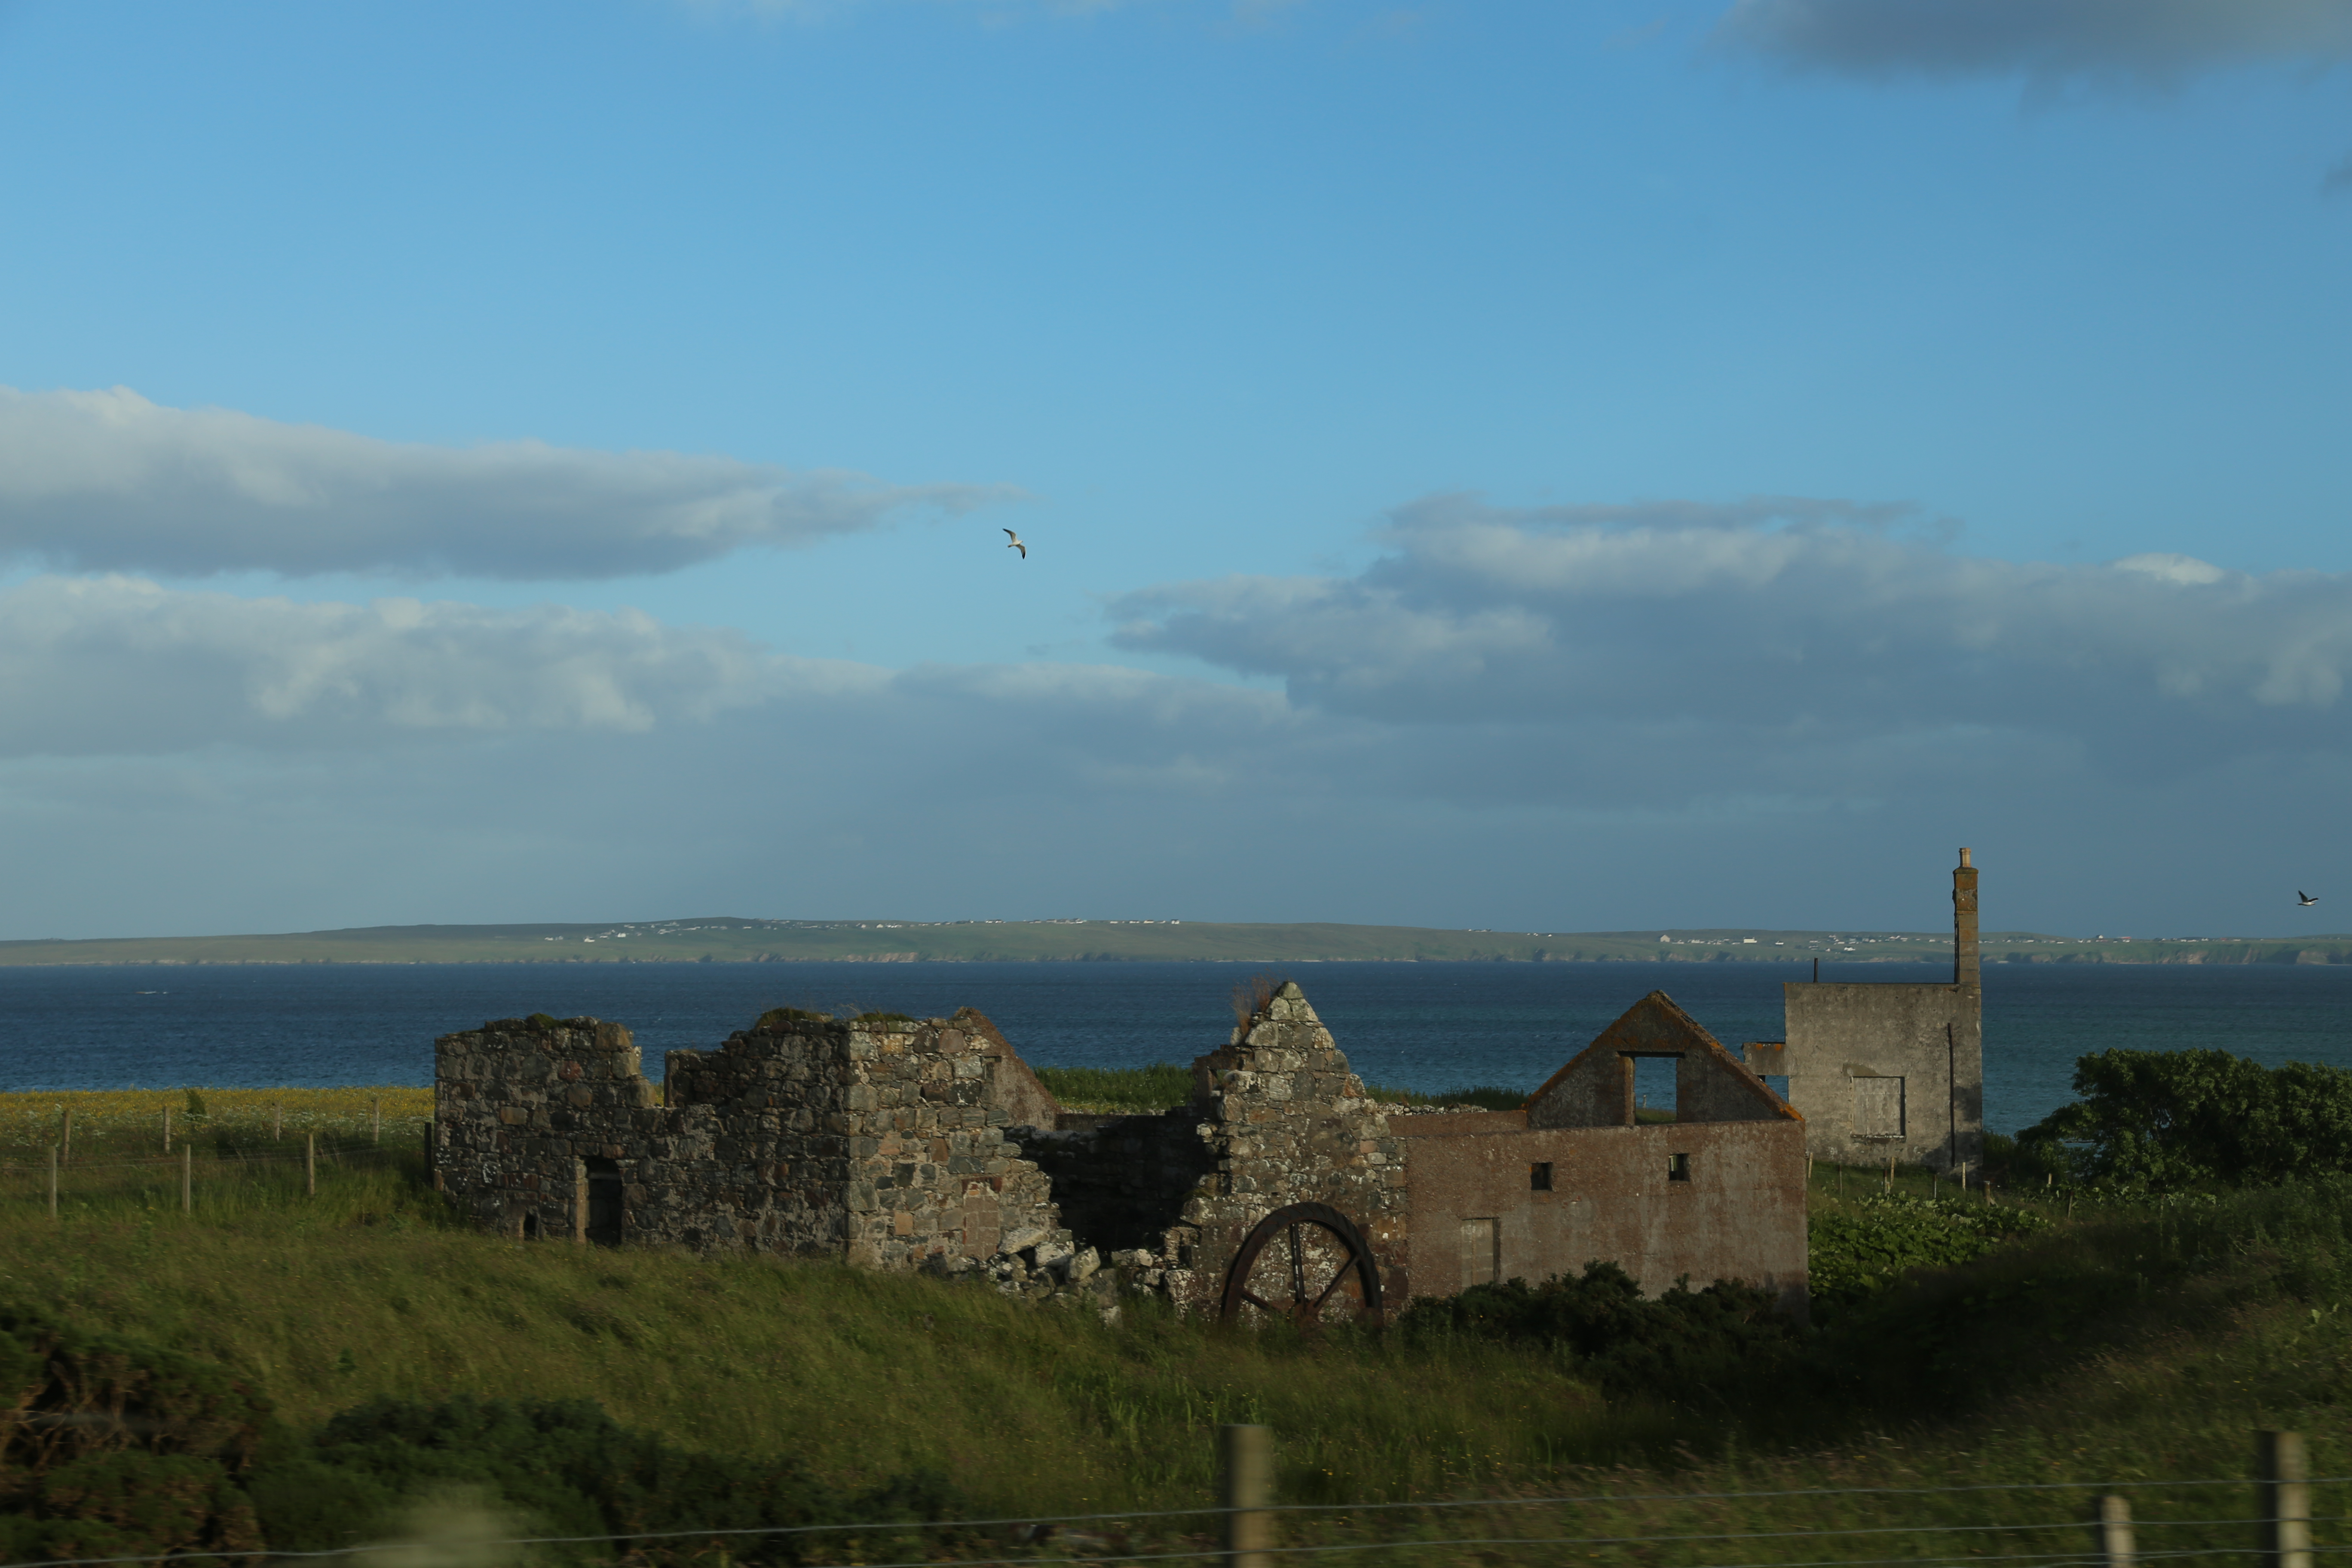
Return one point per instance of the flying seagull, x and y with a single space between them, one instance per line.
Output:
2303 899
1016 543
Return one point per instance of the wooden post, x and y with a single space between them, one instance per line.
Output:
2282 1499
580 1202
375 1120
1245 1463
167 1130
277 1124
53 1181
1890 1171
2112 1534
187 1177
311 1164
65 1138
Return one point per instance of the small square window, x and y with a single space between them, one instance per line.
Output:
1539 1176
1678 1167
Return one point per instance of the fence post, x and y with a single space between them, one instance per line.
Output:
2284 1499
277 1124
53 1181
2115 1531
167 1130
580 1202
187 1177
1245 1462
375 1120
311 1164
65 1138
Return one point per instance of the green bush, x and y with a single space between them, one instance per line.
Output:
1877 1239
2180 1119
1683 1344
120 1447
568 1469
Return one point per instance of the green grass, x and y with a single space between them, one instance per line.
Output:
1165 1084
2142 1340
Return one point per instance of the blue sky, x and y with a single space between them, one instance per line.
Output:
1556 465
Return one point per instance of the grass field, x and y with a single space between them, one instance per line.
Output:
2135 1345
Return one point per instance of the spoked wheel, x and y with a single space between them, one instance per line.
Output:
1307 1263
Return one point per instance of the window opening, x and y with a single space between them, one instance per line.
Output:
530 1228
1678 1167
1654 1088
1539 1176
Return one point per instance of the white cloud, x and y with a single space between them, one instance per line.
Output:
109 481
118 666
1784 643
2148 40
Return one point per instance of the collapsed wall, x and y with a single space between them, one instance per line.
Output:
875 1138
1276 1119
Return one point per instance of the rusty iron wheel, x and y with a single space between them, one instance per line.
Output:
1307 1300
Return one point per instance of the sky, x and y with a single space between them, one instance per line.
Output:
1542 465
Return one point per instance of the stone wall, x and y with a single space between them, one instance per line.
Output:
874 1139
1284 1121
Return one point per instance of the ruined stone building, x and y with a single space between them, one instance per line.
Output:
1888 1070
899 1144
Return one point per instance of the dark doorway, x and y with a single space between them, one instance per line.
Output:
603 1201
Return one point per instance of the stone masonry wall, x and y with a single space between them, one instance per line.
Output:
872 1139
519 1102
1285 1122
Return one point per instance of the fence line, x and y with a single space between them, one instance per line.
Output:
1247 1453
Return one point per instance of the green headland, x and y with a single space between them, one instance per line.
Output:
735 940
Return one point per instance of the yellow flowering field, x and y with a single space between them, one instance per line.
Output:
130 1121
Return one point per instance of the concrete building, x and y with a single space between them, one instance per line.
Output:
901 1143
1889 1069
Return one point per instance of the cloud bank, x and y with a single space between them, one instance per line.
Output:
2155 41
108 481
1826 659
1568 717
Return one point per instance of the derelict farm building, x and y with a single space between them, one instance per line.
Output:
899 1144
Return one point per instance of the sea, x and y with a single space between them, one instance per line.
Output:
1427 1026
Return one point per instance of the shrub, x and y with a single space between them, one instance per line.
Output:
1683 1344
118 1446
1879 1238
567 1467
2176 1118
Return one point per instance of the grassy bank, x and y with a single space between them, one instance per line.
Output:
2137 1343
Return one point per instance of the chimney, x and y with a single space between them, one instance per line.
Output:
1964 924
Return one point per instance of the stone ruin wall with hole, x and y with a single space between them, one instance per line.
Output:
875 1138
1277 1119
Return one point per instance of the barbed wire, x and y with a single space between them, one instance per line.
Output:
2029 1560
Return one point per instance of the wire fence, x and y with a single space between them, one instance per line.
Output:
1246 1529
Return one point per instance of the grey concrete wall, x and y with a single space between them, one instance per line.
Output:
1739 1213
1928 1036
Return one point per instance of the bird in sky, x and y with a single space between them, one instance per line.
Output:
2303 899
1016 543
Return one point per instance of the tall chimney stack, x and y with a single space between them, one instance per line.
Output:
1964 924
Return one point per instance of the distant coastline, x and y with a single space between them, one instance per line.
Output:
733 939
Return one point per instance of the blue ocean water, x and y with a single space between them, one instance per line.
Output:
1428 1026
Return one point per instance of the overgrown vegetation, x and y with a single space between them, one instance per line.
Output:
1163 1086
2185 1119
1957 1342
